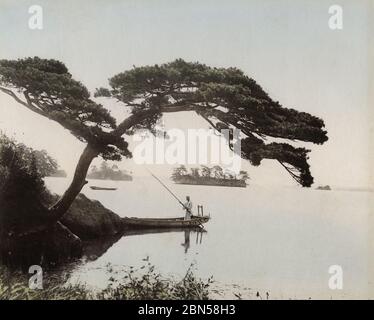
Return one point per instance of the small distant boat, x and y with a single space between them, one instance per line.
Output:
194 222
102 188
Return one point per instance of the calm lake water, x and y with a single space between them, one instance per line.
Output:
267 239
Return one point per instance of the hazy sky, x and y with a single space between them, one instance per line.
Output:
286 46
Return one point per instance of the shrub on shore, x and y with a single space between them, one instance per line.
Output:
134 285
15 286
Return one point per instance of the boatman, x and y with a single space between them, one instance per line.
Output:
188 208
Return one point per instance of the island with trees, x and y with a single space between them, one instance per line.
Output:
107 172
207 176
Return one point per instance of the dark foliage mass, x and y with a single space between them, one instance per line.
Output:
226 98
22 190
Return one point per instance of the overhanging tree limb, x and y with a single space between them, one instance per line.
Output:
225 98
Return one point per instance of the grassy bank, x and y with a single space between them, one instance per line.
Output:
134 285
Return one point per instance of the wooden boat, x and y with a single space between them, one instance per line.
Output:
194 222
131 231
102 188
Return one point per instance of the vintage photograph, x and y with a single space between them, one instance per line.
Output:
186 150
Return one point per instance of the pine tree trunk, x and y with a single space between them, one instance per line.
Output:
79 180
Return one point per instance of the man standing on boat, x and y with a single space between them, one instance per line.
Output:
188 208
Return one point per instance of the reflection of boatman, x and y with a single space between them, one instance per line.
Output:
188 208
186 243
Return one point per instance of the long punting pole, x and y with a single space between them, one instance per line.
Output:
201 226
167 189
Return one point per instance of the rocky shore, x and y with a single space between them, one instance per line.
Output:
86 221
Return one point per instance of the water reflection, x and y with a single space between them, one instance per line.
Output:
199 237
20 254
186 243
186 231
94 249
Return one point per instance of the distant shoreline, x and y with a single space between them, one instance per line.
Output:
208 181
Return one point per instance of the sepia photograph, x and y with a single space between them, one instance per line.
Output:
186 150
